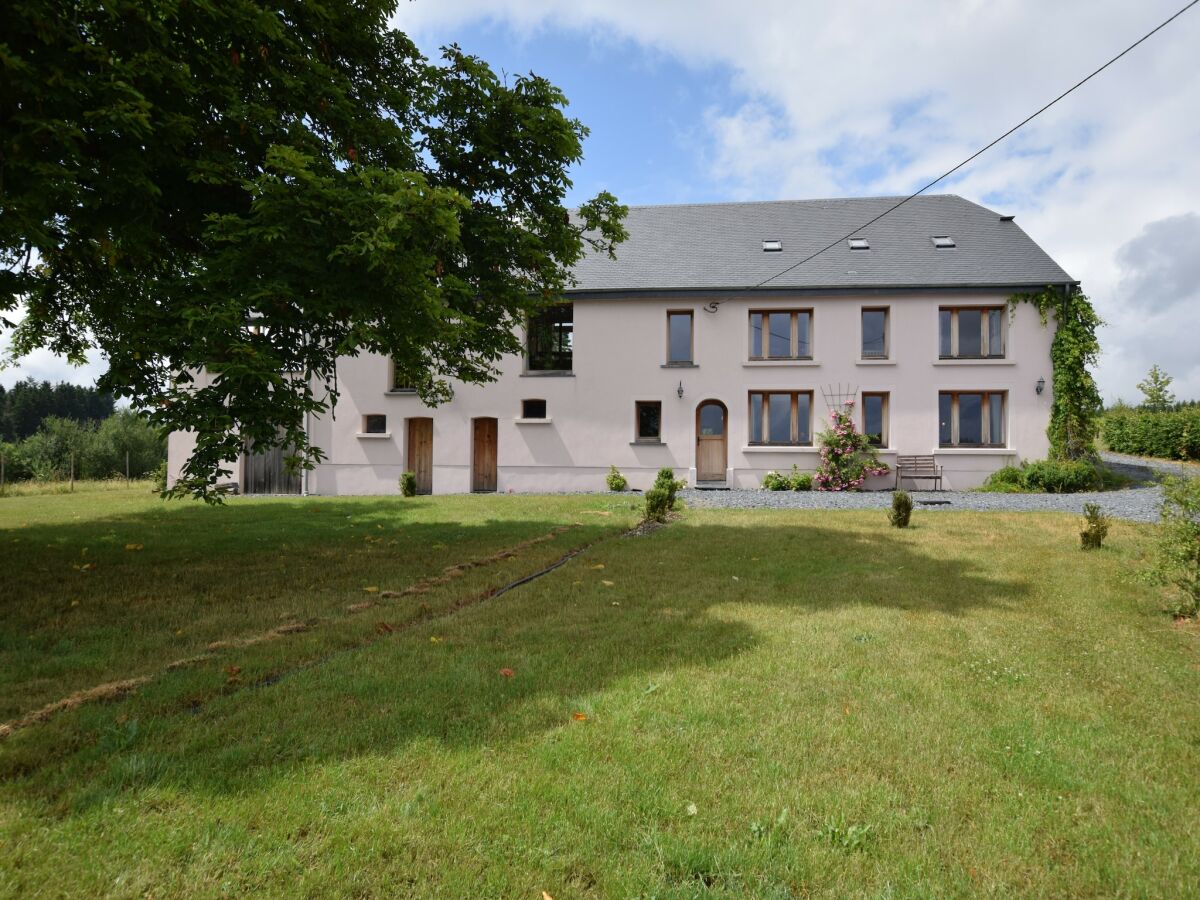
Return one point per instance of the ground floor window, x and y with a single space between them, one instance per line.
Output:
533 409
875 418
971 418
373 423
648 421
781 417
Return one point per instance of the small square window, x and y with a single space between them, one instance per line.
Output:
374 423
533 409
772 246
943 242
648 414
859 244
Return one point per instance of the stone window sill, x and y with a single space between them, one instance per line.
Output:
779 448
545 420
876 362
973 451
679 365
374 435
647 443
974 362
767 363
547 374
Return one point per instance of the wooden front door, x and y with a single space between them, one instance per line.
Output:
267 472
420 453
483 456
710 441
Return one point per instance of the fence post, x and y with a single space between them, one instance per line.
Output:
72 470
1 473
127 467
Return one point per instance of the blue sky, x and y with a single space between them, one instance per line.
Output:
704 100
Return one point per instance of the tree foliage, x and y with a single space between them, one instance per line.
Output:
253 190
1076 407
1156 388
27 403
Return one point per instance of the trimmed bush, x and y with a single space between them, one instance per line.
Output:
666 481
776 481
1171 434
1047 476
658 504
160 477
802 481
408 484
1095 527
615 480
901 510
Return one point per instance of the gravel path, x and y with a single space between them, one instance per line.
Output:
1135 504
1140 468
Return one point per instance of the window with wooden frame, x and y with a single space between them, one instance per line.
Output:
781 417
551 339
374 423
533 409
781 334
680 338
875 418
875 333
397 383
971 418
971 332
647 419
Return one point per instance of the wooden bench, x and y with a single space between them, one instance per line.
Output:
917 468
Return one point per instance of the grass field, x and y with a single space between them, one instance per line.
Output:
741 703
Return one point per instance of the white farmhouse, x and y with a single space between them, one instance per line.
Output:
713 345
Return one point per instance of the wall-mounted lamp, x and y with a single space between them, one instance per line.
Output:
679 391
1040 386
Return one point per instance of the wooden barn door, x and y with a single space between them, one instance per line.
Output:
420 453
710 441
267 474
483 456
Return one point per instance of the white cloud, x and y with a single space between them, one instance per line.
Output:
862 97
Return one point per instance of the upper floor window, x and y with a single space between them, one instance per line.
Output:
781 334
679 338
875 418
971 332
551 339
971 419
875 333
398 383
781 417
648 419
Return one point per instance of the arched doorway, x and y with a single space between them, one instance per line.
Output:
711 450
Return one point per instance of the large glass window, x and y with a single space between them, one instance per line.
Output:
874 333
679 338
781 334
781 417
648 416
875 410
971 332
551 339
971 419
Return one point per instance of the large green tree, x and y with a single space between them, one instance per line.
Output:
255 190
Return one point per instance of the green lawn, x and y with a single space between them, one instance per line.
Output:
745 703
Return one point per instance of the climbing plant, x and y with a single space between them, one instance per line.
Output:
1076 408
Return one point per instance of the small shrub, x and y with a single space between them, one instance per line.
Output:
1054 476
408 484
658 504
801 481
615 480
160 477
1008 480
901 510
1095 527
1178 557
776 481
667 481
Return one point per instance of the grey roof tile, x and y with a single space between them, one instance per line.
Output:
719 246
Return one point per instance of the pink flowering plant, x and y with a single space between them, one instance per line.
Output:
847 457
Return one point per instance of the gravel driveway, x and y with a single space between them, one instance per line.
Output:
1135 504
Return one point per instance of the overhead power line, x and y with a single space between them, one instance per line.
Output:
982 150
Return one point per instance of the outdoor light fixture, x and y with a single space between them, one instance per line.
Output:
1040 386
679 390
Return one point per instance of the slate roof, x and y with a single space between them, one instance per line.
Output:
717 246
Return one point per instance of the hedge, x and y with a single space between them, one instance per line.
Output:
1174 434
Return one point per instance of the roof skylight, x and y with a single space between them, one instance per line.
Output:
859 244
943 242
772 246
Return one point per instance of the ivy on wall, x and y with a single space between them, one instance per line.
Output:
1075 412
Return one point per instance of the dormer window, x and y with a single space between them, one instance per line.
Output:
943 242
772 246
859 244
